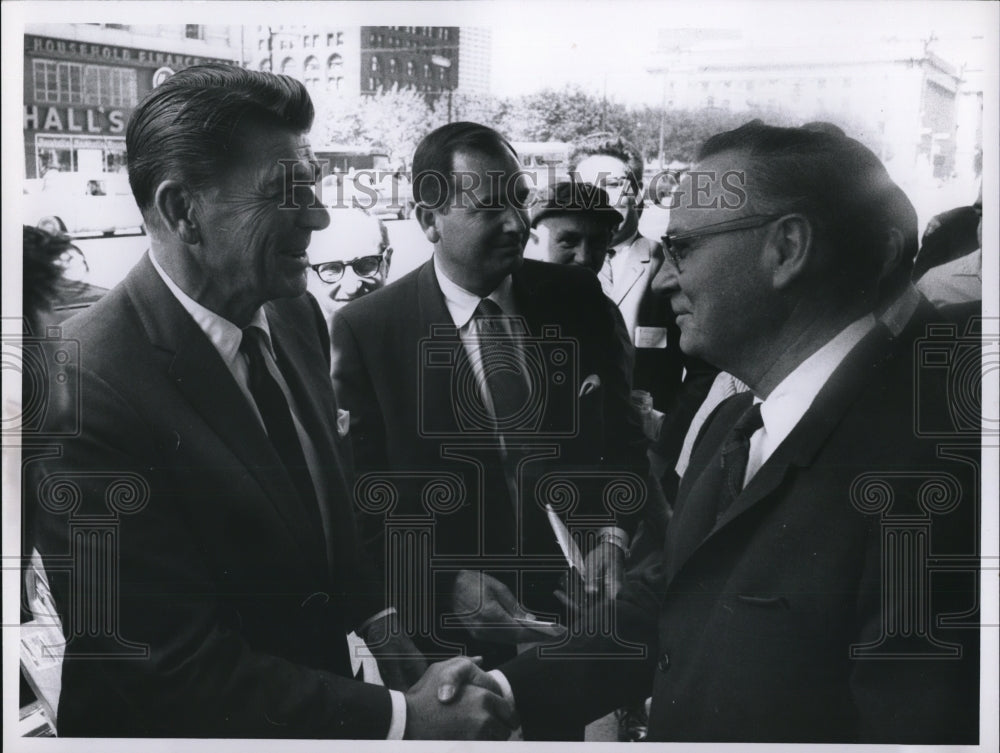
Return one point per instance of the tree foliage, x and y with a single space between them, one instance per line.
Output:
395 120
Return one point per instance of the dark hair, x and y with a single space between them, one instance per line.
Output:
837 182
610 145
434 158
44 260
184 128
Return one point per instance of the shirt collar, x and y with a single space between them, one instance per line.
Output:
898 313
222 333
626 245
790 400
462 304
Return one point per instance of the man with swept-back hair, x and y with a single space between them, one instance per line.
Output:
500 380
196 522
819 578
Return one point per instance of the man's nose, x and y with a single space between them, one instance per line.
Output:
516 220
314 215
666 280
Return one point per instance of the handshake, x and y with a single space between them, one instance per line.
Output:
457 700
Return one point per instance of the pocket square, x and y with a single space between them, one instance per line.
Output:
343 422
590 384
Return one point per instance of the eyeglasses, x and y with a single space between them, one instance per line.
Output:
676 244
363 266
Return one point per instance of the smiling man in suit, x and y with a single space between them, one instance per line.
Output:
480 387
798 600
195 522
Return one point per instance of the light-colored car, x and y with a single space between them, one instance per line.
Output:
82 203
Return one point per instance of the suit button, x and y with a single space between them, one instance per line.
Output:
664 663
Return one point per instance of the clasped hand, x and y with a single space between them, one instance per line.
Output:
456 700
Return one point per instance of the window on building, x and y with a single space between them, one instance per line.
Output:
441 74
74 84
105 85
265 65
290 67
306 40
334 64
374 64
410 68
193 31
311 72
427 70
371 83
393 63
333 83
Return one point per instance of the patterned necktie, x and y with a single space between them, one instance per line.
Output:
277 417
735 454
503 366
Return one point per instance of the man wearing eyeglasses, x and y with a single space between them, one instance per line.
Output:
349 259
819 579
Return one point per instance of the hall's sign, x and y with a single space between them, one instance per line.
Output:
63 119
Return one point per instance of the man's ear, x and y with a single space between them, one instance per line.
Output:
175 207
428 223
892 251
790 249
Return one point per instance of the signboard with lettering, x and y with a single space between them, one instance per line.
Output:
109 53
68 119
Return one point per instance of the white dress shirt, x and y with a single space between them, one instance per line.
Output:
226 338
789 401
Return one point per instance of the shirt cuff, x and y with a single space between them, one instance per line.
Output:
615 535
373 619
397 725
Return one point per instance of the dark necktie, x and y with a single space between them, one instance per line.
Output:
503 367
735 453
277 417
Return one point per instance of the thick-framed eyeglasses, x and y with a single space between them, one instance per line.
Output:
363 266
677 244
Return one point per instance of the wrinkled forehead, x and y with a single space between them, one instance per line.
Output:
351 234
492 176
272 149
715 190
576 221
599 169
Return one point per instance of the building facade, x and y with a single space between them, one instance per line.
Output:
81 82
897 96
363 60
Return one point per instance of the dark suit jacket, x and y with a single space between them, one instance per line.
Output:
401 370
751 621
178 550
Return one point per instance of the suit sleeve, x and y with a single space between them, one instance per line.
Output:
195 675
592 676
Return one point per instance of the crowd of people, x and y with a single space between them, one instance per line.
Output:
695 479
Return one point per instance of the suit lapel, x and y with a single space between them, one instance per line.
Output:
203 379
693 525
434 324
317 411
